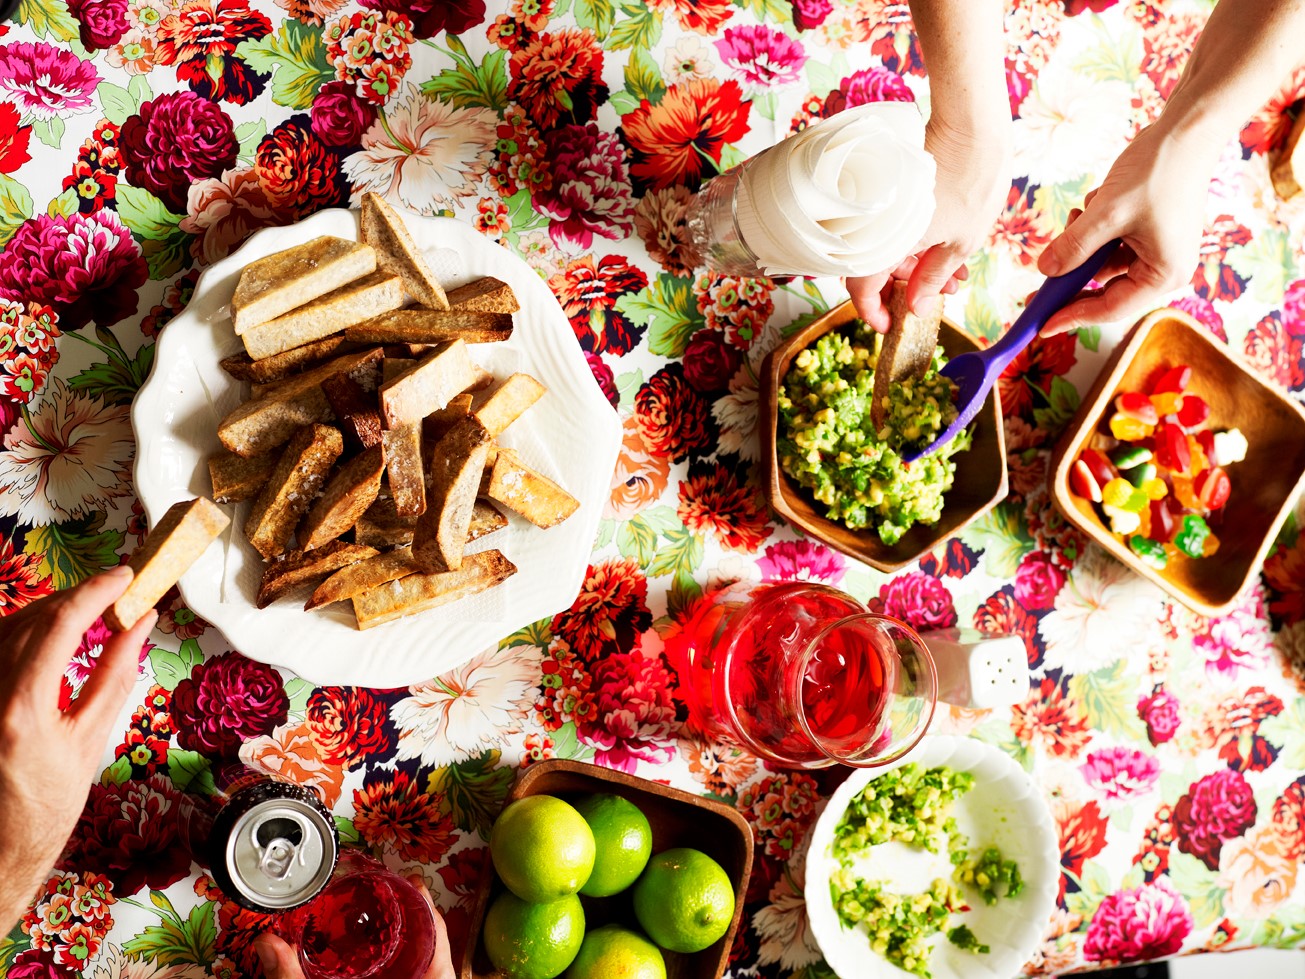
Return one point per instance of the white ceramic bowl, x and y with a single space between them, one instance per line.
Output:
572 435
1004 808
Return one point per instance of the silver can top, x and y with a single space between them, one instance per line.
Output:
281 852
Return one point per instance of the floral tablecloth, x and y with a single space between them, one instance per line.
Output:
141 140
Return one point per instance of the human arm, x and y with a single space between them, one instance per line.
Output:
280 961
968 134
1153 198
48 757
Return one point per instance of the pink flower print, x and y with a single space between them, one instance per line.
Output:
1148 922
1159 712
45 81
762 56
1120 773
801 560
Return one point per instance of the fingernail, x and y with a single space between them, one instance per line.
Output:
123 571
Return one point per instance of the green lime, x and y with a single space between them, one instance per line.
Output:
533 941
542 848
623 841
684 900
613 952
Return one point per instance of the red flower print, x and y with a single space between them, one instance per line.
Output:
1232 728
1021 229
461 875
1214 278
558 78
734 511
130 834
145 753
920 600
1166 46
710 362
177 620
610 612
347 724
1269 127
1212 811
1150 921
1082 832
237 929
1002 615
396 814
201 40
94 188
1289 817
1274 353
430 17
672 417
956 560
1153 856
780 809
21 581
537 748
1038 581
1285 573
738 307
1051 719
589 292
225 701
14 139
671 141
296 169
633 718
565 692
887 25
704 16
370 52
1036 366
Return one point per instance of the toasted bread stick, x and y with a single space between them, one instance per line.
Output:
531 494
508 402
381 525
280 282
236 478
487 294
243 367
405 469
428 387
298 477
437 424
353 302
418 592
385 231
907 348
363 577
306 567
346 497
455 468
182 534
429 326
355 409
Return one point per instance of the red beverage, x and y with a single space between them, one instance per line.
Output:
368 922
803 675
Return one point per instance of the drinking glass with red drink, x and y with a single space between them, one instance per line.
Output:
804 676
367 922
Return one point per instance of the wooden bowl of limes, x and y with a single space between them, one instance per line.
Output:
673 824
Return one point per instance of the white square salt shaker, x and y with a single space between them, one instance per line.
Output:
978 670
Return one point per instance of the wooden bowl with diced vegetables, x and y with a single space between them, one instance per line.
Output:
980 479
1214 499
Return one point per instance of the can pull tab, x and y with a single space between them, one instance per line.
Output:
277 858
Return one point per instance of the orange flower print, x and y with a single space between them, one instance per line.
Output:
672 141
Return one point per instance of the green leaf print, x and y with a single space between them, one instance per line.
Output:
296 58
643 79
680 557
776 11
1200 885
981 317
145 214
821 78
1117 58
1106 698
1094 887
637 539
1002 537
115 382
73 551
297 691
627 386
171 668
249 135
119 773
15 206
667 307
1057 200
190 772
349 835
597 15
12 945
1061 404
116 102
684 591
567 745
178 941
536 634
50 131
47 17
65 205
1286 731
1089 337
1268 262
642 30
472 792
469 84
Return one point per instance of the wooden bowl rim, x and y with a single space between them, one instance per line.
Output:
1084 425
778 486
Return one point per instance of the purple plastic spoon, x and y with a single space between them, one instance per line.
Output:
975 373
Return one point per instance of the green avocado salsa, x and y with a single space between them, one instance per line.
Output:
827 444
912 805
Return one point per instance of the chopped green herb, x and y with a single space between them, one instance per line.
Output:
989 871
963 938
908 804
899 926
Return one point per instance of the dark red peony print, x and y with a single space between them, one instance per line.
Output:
610 612
297 171
225 701
671 416
174 141
1212 811
348 724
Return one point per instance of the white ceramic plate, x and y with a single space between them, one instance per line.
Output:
572 435
1004 808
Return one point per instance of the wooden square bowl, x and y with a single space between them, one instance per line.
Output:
1264 484
677 819
980 472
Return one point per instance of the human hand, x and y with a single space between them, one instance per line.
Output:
40 799
1153 198
280 960
970 191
